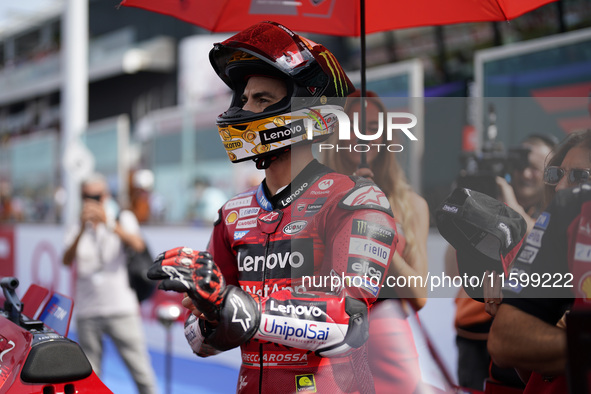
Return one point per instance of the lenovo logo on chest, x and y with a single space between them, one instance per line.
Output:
280 259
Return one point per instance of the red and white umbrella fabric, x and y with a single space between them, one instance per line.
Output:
336 17
354 18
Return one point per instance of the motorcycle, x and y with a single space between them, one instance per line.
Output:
35 355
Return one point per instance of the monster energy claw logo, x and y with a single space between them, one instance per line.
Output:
373 231
336 70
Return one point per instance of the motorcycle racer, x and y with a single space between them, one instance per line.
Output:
293 265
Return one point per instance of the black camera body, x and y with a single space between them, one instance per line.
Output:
479 170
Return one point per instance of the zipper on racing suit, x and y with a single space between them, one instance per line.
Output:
264 295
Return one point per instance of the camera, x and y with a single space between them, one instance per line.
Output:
479 170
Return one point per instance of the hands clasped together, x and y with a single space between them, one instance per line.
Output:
185 270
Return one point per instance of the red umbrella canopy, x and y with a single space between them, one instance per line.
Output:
336 17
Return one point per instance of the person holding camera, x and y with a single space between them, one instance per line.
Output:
529 332
525 195
105 302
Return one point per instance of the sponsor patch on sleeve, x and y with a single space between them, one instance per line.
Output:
367 248
362 267
373 231
366 197
370 285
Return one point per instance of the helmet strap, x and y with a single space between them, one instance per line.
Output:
262 163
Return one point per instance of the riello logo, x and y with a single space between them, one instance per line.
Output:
395 121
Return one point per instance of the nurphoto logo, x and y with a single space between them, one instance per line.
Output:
395 122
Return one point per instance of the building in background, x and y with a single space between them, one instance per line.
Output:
151 104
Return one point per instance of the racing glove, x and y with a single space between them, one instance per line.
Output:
187 271
233 314
331 325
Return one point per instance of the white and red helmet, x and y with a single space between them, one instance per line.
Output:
312 76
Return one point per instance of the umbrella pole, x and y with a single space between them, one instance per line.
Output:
363 162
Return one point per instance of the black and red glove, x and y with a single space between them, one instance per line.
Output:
185 270
233 314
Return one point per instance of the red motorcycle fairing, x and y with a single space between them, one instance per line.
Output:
35 359
15 344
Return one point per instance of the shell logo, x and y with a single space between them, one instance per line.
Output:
232 217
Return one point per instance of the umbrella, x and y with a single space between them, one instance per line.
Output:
337 17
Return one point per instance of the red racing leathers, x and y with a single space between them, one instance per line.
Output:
293 250
551 273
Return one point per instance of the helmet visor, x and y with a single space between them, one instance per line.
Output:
272 43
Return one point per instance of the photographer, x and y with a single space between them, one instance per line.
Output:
105 303
525 194
529 330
